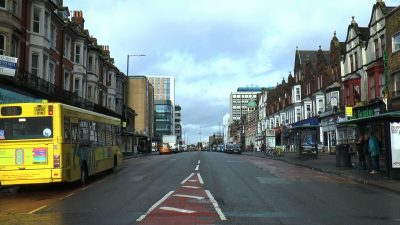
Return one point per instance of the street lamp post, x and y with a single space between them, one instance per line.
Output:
127 62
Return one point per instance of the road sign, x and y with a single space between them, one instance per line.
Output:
8 65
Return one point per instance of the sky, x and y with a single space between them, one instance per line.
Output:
212 47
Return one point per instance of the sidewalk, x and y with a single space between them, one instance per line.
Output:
327 163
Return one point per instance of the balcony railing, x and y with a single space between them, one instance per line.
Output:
52 92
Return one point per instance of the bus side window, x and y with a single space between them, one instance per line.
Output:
67 130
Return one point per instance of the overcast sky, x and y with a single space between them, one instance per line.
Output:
212 47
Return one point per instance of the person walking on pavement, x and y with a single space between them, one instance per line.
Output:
373 149
360 152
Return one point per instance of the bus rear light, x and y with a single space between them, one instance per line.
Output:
56 161
50 110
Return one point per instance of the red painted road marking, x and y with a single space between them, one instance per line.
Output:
190 204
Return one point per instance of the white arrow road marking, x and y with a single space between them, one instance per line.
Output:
189 196
177 210
215 204
200 179
187 178
155 206
193 187
197 168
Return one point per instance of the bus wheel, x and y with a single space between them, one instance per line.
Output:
84 173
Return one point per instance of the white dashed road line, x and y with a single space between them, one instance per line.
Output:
198 162
197 168
177 210
189 196
154 206
215 204
187 178
200 179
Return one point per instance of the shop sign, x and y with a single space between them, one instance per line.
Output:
349 111
8 65
395 143
367 112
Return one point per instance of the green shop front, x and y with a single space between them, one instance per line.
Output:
386 127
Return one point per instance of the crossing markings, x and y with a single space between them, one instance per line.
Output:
155 206
215 204
200 179
193 187
190 176
189 196
177 209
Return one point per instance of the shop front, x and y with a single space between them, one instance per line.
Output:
385 126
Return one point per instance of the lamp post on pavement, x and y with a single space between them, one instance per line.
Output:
127 62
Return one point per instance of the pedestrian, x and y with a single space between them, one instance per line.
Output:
360 152
366 153
373 149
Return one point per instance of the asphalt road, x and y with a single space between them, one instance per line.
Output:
203 188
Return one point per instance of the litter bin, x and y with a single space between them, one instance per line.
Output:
343 156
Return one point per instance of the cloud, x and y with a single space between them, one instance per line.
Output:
213 47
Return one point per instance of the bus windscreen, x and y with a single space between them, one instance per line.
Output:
26 128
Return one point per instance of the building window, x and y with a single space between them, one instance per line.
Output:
351 63
66 80
396 42
320 106
383 43
14 7
308 111
67 48
297 94
46 24
382 84
14 47
377 49
298 115
396 81
2 44
3 4
90 66
372 87
36 19
76 86
44 70
52 72
355 60
90 91
77 53
35 64
53 36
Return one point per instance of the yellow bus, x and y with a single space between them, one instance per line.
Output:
54 142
